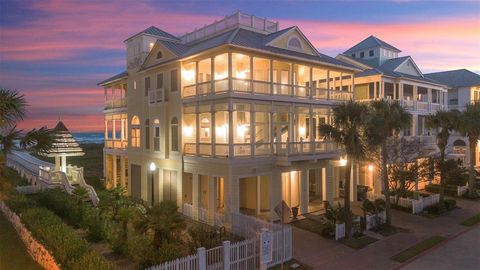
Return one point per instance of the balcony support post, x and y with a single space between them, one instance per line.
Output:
212 72
252 130
230 131
197 133
213 127
114 131
230 69
303 190
311 130
195 195
310 87
328 84
271 77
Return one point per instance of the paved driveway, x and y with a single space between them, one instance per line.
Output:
321 253
460 252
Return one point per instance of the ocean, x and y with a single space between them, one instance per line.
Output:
89 137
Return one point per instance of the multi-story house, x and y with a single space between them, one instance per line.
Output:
463 89
386 75
225 119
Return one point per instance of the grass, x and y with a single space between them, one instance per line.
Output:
309 225
292 265
359 242
418 248
13 254
471 221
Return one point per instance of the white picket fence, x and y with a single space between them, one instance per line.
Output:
417 206
461 190
373 221
242 255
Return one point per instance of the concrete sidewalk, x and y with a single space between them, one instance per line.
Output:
322 253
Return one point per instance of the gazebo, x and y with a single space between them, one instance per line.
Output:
63 146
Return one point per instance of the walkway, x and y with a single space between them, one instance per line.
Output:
321 253
13 254
458 253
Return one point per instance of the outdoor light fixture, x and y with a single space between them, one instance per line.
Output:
343 162
152 169
370 168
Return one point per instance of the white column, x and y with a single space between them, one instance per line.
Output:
211 199
329 184
276 193
58 164
303 190
195 195
259 196
114 171
114 131
122 129
64 163
122 171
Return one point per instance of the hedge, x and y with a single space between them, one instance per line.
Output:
67 246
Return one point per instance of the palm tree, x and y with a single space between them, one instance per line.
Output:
386 119
13 109
469 126
164 221
347 130
444 122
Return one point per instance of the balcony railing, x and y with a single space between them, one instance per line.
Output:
262 149
115 103
117 144
264 88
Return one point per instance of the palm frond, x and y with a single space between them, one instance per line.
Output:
12 107
7 140
37 140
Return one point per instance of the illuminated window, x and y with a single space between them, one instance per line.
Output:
241 66
135 138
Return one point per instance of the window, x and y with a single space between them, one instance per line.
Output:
221 66
173 80
353 55
370 53
159 55
240 66
147 134
362 55
159 80
147 85
135 132
174 135
294 43
156 135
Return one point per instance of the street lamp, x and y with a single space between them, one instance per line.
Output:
152 169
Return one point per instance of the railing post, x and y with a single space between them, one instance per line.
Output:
202 259
226 255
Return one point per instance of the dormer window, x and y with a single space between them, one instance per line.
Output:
353 55
362 55
159 55
295 43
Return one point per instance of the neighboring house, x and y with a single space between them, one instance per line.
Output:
386 75
229 117
463 89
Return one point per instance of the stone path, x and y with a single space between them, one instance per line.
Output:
321 253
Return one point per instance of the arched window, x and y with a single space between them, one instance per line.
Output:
135 138
156 135
294 43
174 130
159 55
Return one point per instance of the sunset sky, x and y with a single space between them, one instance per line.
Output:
55 52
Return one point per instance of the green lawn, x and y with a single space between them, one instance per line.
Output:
13 254
471 221
418 248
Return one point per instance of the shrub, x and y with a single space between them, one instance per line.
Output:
19 203
91 260
380 205
64 205
441 208
57 236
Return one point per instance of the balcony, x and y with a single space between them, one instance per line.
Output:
299 150
116 104
252 87
116 144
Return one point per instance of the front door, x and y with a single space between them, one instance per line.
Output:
170 185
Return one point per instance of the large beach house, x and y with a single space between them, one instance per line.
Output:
225 119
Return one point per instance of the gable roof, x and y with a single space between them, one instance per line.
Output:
154 31
456 78
370 42
247 39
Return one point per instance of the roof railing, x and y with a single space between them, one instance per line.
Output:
232 21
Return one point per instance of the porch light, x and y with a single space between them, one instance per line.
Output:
343 162
188 75
188 131
152 167
370 168
221 131
151 45
302 131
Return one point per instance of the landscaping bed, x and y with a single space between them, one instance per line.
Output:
471 221
358 241
439 209
417 249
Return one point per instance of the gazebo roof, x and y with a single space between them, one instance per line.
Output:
63 143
